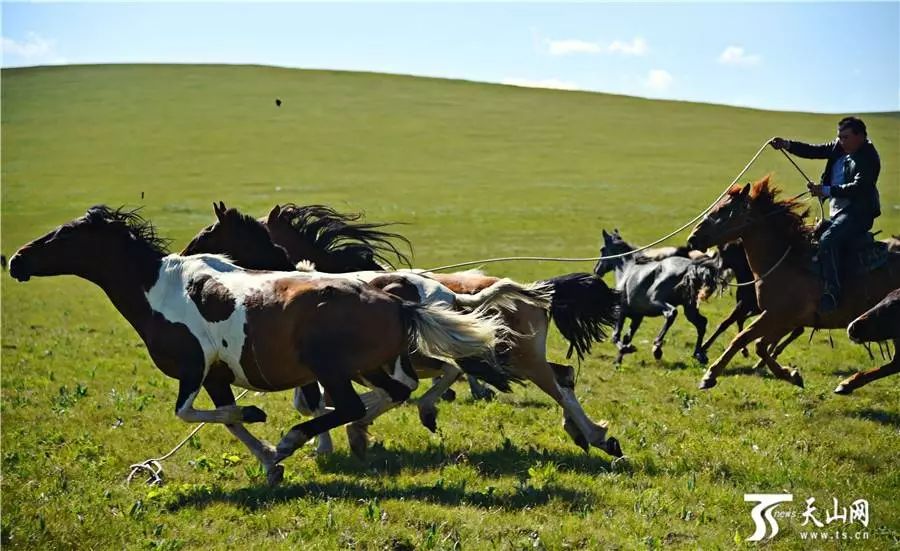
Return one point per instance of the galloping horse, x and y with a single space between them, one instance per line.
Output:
655 288
247 242
211 324
732 257
582 306
880 323
778 246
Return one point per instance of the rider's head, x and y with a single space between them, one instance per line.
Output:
851 133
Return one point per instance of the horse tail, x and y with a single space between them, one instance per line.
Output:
700 281
506 293
583 306
468 340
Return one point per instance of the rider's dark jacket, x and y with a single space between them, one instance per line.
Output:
860 174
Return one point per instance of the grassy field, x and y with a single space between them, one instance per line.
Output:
474 170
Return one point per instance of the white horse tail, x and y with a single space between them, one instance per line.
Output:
506 293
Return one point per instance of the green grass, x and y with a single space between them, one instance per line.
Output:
475 171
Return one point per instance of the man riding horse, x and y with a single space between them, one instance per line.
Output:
849 179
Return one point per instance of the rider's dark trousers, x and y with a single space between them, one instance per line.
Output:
834 246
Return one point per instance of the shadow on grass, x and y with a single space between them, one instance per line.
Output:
889 418
263 497
507 459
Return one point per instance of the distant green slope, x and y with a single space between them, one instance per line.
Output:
540 165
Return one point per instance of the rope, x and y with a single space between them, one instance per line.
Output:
629 253
153 467
765 275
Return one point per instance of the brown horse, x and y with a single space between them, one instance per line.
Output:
778 246
211 324
246 241
880 323
581 305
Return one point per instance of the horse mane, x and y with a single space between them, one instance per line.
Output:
132 222
334 232
787 216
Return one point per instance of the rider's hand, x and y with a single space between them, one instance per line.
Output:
815 189
780 143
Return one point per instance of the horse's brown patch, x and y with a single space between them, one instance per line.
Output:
214 300
465 283
398 286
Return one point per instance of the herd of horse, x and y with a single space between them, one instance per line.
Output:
308 299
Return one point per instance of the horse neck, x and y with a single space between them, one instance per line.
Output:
763 247
125 283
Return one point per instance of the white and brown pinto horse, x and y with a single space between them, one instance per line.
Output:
246 241
581 305
211 324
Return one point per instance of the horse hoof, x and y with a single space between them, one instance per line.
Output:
449 395
657 352
487 395
701 357
613 448
359 440
843 389
628 349
706 384
428 419
744 353
275 475
252 414
796 379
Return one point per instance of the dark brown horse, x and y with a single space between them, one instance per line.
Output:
211 324
777 244
880 323
582 306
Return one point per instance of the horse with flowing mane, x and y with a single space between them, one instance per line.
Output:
878 324
778 246
211 324
581 304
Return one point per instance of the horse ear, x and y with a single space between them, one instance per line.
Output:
605 235
219 209
273 214
746 191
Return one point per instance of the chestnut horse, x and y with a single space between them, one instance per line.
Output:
778 246
211 324
880 323
582 306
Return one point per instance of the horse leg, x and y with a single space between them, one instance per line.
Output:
479 391
776 348
740 324
625 346
863 378
762 350
428 402
309 400
449 395
189 384
348 406
756 329
574 416
388 392
699 322
222 395
736 316
669 313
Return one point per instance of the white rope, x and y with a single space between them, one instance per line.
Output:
622 255
765 275
153 467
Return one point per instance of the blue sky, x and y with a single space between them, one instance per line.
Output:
821 57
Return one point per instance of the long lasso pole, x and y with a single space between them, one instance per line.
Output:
629 253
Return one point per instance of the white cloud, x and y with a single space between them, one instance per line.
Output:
553 83
735 55
658 80
638 46
33 50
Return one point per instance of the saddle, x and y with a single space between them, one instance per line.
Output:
863 255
